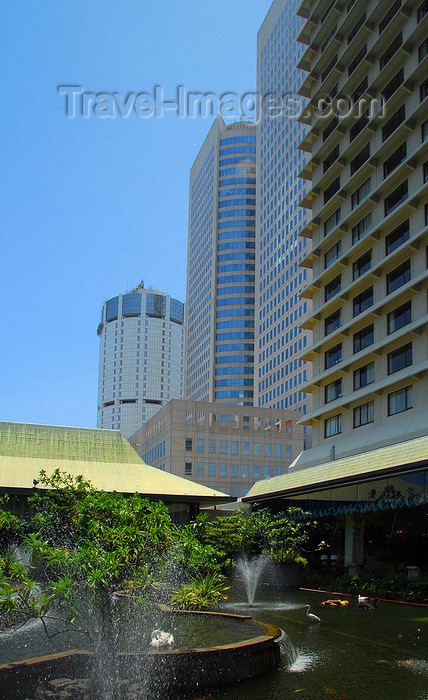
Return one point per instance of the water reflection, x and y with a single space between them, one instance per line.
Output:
352 653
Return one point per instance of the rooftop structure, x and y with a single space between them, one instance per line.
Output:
104 457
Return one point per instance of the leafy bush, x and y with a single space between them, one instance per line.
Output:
201 593
282 536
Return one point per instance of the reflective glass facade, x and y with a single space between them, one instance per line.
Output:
141 358
219 221
280 374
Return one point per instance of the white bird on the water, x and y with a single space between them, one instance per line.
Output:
362 598
311 616
161 639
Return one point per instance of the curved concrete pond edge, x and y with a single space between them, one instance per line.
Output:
179 670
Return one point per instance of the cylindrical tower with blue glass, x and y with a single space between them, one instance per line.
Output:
141 357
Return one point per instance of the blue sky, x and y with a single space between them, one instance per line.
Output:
94 205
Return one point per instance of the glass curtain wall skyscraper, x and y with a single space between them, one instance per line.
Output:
280 376
141 357
221 267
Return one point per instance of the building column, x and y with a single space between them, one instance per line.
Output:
354 545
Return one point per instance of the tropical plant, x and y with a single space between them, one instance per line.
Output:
201 593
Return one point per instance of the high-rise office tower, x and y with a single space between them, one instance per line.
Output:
367 64
280 374
221 267
141 357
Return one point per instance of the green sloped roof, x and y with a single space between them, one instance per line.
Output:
104 457
359 467
44 441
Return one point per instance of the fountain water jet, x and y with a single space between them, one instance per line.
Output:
251 570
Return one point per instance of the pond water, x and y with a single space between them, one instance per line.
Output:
355 654
189 631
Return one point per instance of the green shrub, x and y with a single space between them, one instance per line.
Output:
201 593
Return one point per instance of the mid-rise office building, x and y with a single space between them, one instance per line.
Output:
367 64
225 447
280 373
141 357
221 267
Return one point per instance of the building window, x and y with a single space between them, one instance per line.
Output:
393 85
361 265
266 473
256 471
363 301
267 449
400 400
395 160
424 130
363 376
400 317
331 222
330 128
360 159
245 471
356 27
358 126
234 471
211 469
400 358
361 229
288 452
223 447
223 470
189 443
389 15
333 287
211 446
333 425
425 172
357 60
188 469
277 450
393 123
329 68
245 448
391 50
331 158
422 10
235 447
199 468
397 197
333 356
331 189
200 447
399 276
397 237
423 50
364 338
256 449
333 390
361 193
331 255
364 414
333 321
